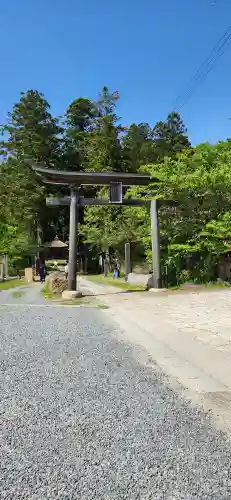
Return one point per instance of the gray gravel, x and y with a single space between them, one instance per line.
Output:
82 418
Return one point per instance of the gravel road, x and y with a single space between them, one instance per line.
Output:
83 416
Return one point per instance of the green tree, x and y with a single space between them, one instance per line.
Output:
137 146
20 205
196 187
170 137
32 136
80 120
103 142
32 132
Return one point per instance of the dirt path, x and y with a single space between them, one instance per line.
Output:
187 334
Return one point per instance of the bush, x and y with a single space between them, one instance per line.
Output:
184 276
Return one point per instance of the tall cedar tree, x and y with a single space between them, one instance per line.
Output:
104 148
169 137
137 146
32 137
80 121
32 132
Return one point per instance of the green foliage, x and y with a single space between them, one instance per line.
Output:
111 227
32 131
195 229
103 144
31 137
170 137
137 146
21 195
13 239
80 120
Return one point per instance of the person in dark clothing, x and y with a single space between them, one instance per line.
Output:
42 273
116 269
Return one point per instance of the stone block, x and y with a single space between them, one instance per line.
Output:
156 290
71 294
140 279
57 282
29 277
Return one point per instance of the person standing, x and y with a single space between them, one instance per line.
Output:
66 270
116 269
42 273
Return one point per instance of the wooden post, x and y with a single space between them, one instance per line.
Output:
1 268
157 281
6 266
101 264
105 267
127 260
85 264
73 231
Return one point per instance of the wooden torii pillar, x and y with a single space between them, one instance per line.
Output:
3 266
115 181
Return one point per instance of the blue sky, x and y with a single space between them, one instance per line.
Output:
145 49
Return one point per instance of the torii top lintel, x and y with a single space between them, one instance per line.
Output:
72 178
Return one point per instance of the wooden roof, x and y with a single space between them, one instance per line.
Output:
50 176
56 243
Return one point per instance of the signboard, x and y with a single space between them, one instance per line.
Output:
116 192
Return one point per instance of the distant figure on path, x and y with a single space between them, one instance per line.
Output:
116 269
66 270
42 273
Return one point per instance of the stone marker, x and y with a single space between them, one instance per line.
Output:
140 279
71 294
29 275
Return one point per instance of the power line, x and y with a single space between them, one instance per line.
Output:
205 60
205 68
202 76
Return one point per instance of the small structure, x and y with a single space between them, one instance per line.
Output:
57 249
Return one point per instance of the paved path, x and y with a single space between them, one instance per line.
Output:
86 416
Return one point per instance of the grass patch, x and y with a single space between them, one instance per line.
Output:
186 287
219 284
102 306
47 293
57 297
7 285
18 293
116 282
198 288
82 301
190 287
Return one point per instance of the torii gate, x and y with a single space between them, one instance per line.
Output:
115 181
